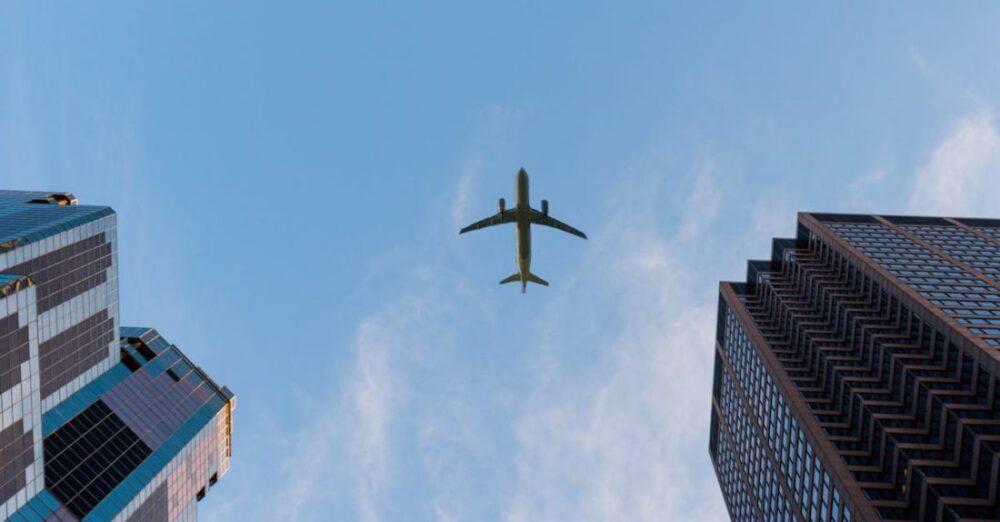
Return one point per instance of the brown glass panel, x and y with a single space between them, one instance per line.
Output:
74 351
13 351
16 454
67 272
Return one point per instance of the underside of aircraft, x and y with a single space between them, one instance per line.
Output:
523 216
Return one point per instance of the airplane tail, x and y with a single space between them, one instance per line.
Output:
524 282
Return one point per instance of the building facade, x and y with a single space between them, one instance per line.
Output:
97 421
856 373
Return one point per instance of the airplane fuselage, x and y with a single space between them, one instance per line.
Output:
523 211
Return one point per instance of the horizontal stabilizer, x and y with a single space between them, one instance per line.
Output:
511 279
537 280
524 282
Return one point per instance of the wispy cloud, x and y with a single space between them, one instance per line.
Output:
380 416
953 86
463 192
371 394
478 153
351 423
962 176
701 204
396 416
626 439
860 189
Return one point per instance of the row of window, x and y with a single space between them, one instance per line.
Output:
971 307
964 245
958 292
986 331
954 276
959 288
956 279
962 295
995 232
966 311
781 462
977 320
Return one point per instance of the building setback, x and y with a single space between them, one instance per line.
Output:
97 421
856 373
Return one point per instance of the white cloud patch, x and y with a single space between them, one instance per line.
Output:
860 189
371 394
962 177
627 439
348 441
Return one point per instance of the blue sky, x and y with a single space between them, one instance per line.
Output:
290 180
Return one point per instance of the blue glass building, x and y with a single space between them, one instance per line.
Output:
97 421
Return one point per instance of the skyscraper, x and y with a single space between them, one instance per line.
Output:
856 373
97 421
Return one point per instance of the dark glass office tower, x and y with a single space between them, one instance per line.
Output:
97 421
856 373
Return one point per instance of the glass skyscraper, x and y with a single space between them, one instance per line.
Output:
856 373
97 421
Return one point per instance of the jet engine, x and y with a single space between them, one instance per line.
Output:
502 205
545 207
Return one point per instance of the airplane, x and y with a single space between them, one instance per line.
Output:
523 215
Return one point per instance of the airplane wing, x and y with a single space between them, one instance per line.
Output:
542 219
507 216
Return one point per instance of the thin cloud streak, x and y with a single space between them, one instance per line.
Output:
861 189
371 394
962 176
361 425
482 146
350 429
463 193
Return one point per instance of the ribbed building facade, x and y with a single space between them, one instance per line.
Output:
97 421
856 373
